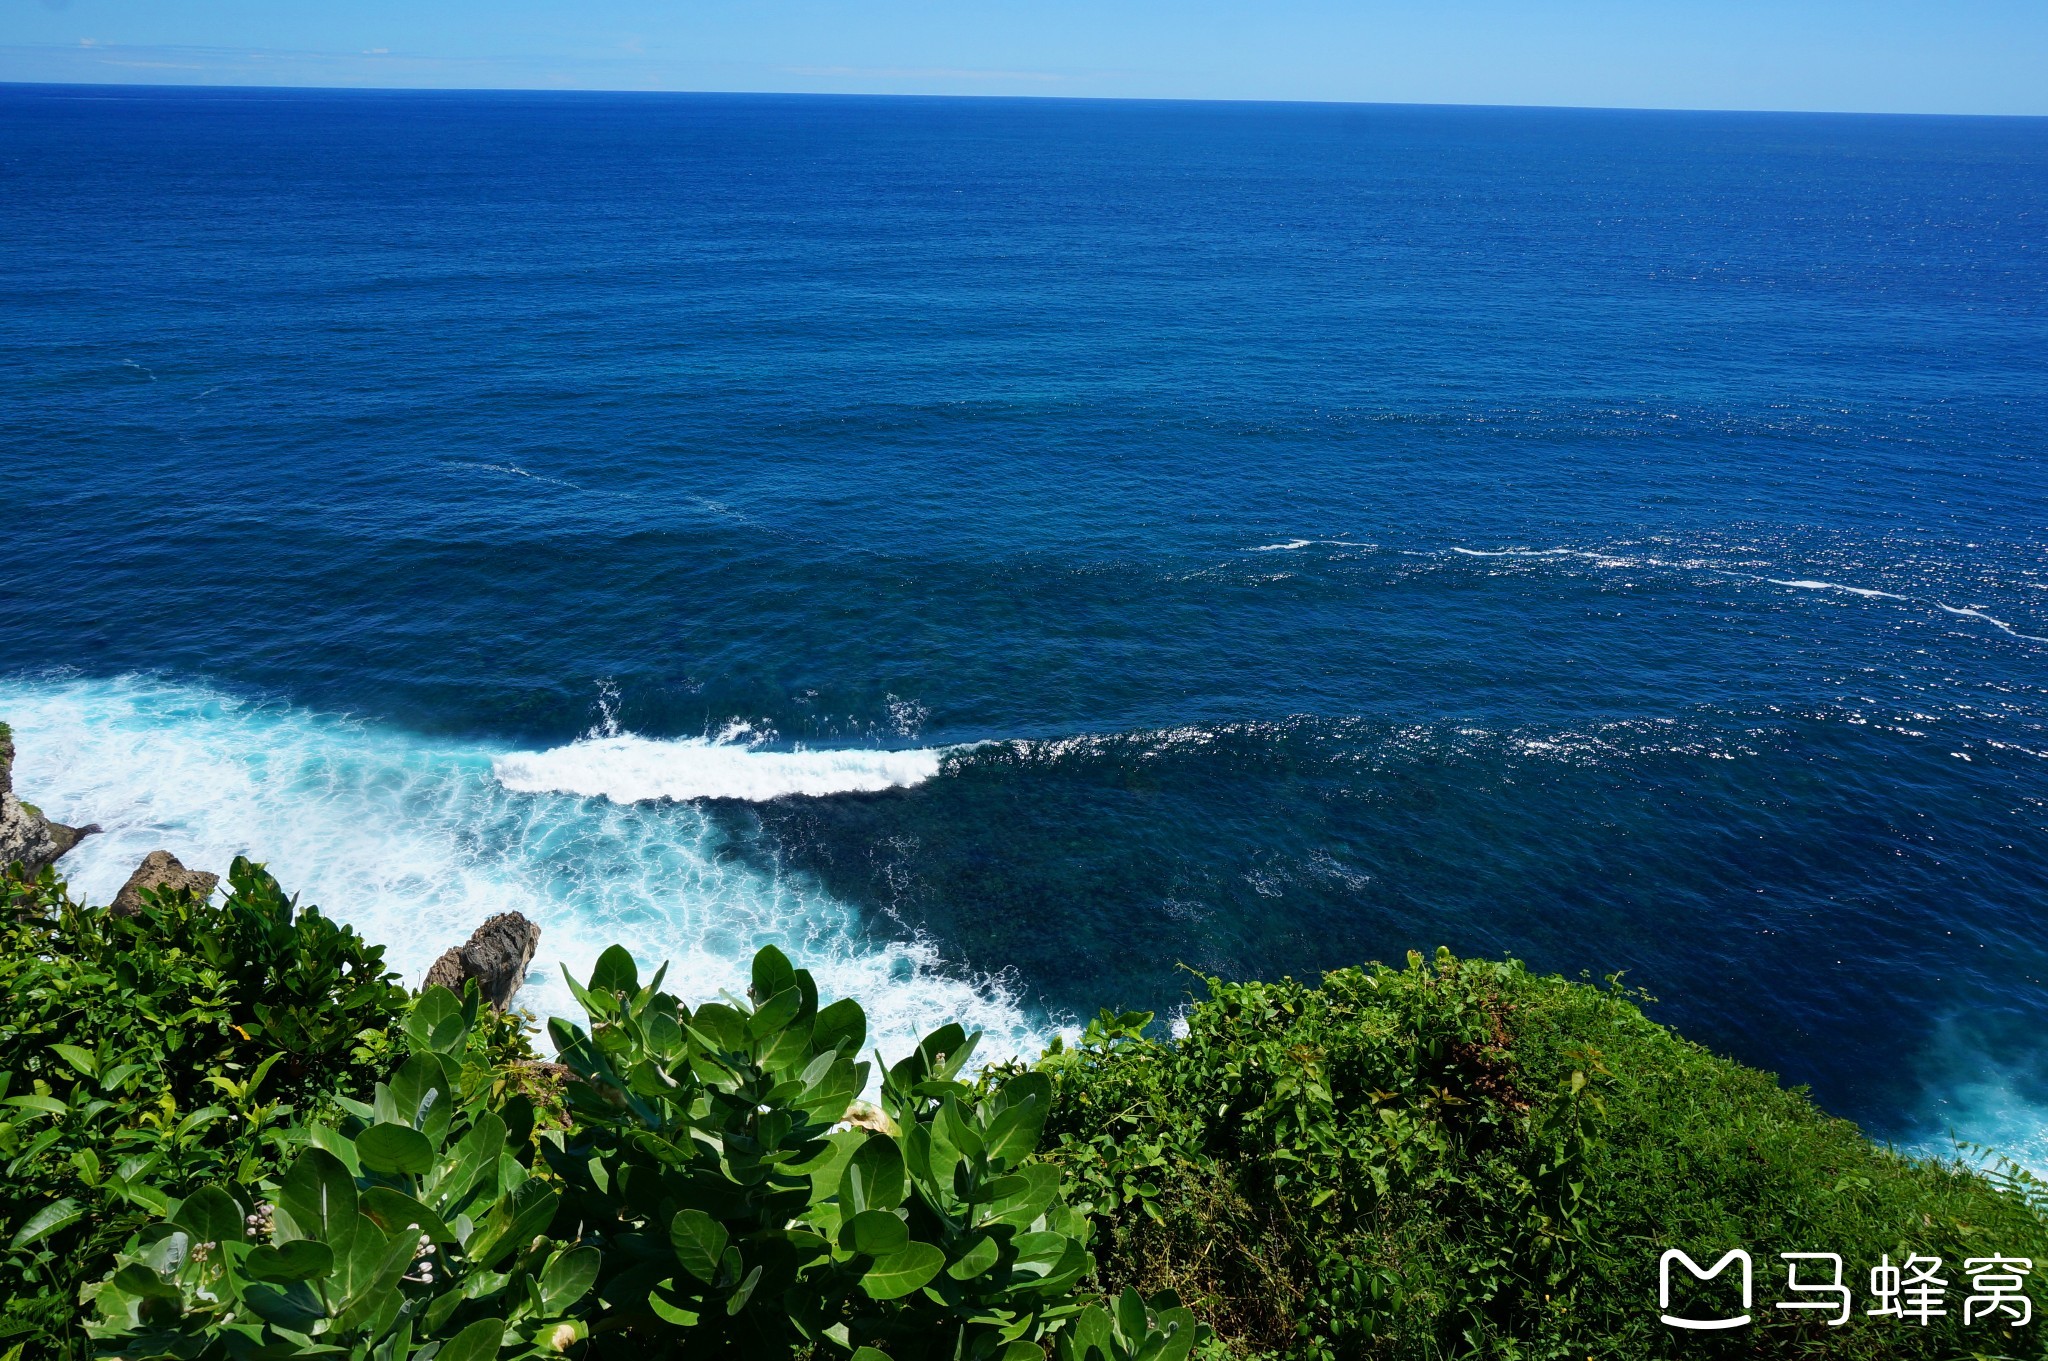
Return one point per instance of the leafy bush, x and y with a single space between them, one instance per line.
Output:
412 1228
1452 1160
1462 1160
740 1217
142 1056
706 1199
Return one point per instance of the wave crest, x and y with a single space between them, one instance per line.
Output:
630 769
414 842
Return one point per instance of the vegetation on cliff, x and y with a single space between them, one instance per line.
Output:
226 1131
1462 1159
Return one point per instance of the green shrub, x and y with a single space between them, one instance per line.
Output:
142 1056
1462 1160
412 1227
1457 1159
704 1201
740 1217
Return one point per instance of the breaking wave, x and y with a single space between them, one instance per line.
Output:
630 769
415 841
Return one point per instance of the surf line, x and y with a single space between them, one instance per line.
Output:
1796 583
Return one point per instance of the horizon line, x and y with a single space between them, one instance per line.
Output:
566 91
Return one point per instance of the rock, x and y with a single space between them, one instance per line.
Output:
496 956
160 872
27 837
67 837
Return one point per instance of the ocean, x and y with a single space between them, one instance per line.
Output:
1012 553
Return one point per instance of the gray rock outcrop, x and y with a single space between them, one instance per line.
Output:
160 871
27 837
495 955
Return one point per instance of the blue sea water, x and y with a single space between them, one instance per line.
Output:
1007 550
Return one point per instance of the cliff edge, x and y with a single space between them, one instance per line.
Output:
26 836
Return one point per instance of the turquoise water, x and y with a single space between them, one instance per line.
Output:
1005 550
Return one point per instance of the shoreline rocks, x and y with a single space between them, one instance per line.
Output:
27 837
160 872
496 955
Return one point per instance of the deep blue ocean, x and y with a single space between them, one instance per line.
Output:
1006 551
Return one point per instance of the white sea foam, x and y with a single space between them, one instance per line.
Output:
1995 623
1518 552
1837 586
1797 583
509 469
414 842
1972 1097
1292 544
630 769
1597 559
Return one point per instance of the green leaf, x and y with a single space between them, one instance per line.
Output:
513 1223
211 1215
1091 1332
976 1259
436 1023
421 1097
111 1080
842 1026
773 974
473 1162
568 1277
1015 1133
597 1005
941 1044
877 1233
952 1125
292 1306
1074 1261
396 1212
874 1178
478 1342
744 1293
869 1354
718 1028
615 971
1039 1249
699 1241
900 1273
1021 1197
318 1201
78 1058
395 1150
1130 1315
775 1014
205 1115
138 1280
52 1218
1178 1327
370 1276
443 1308
341 1146
302 1259
37 1102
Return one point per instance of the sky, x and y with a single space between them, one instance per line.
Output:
1899 56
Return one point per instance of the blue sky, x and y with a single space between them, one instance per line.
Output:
1921 56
